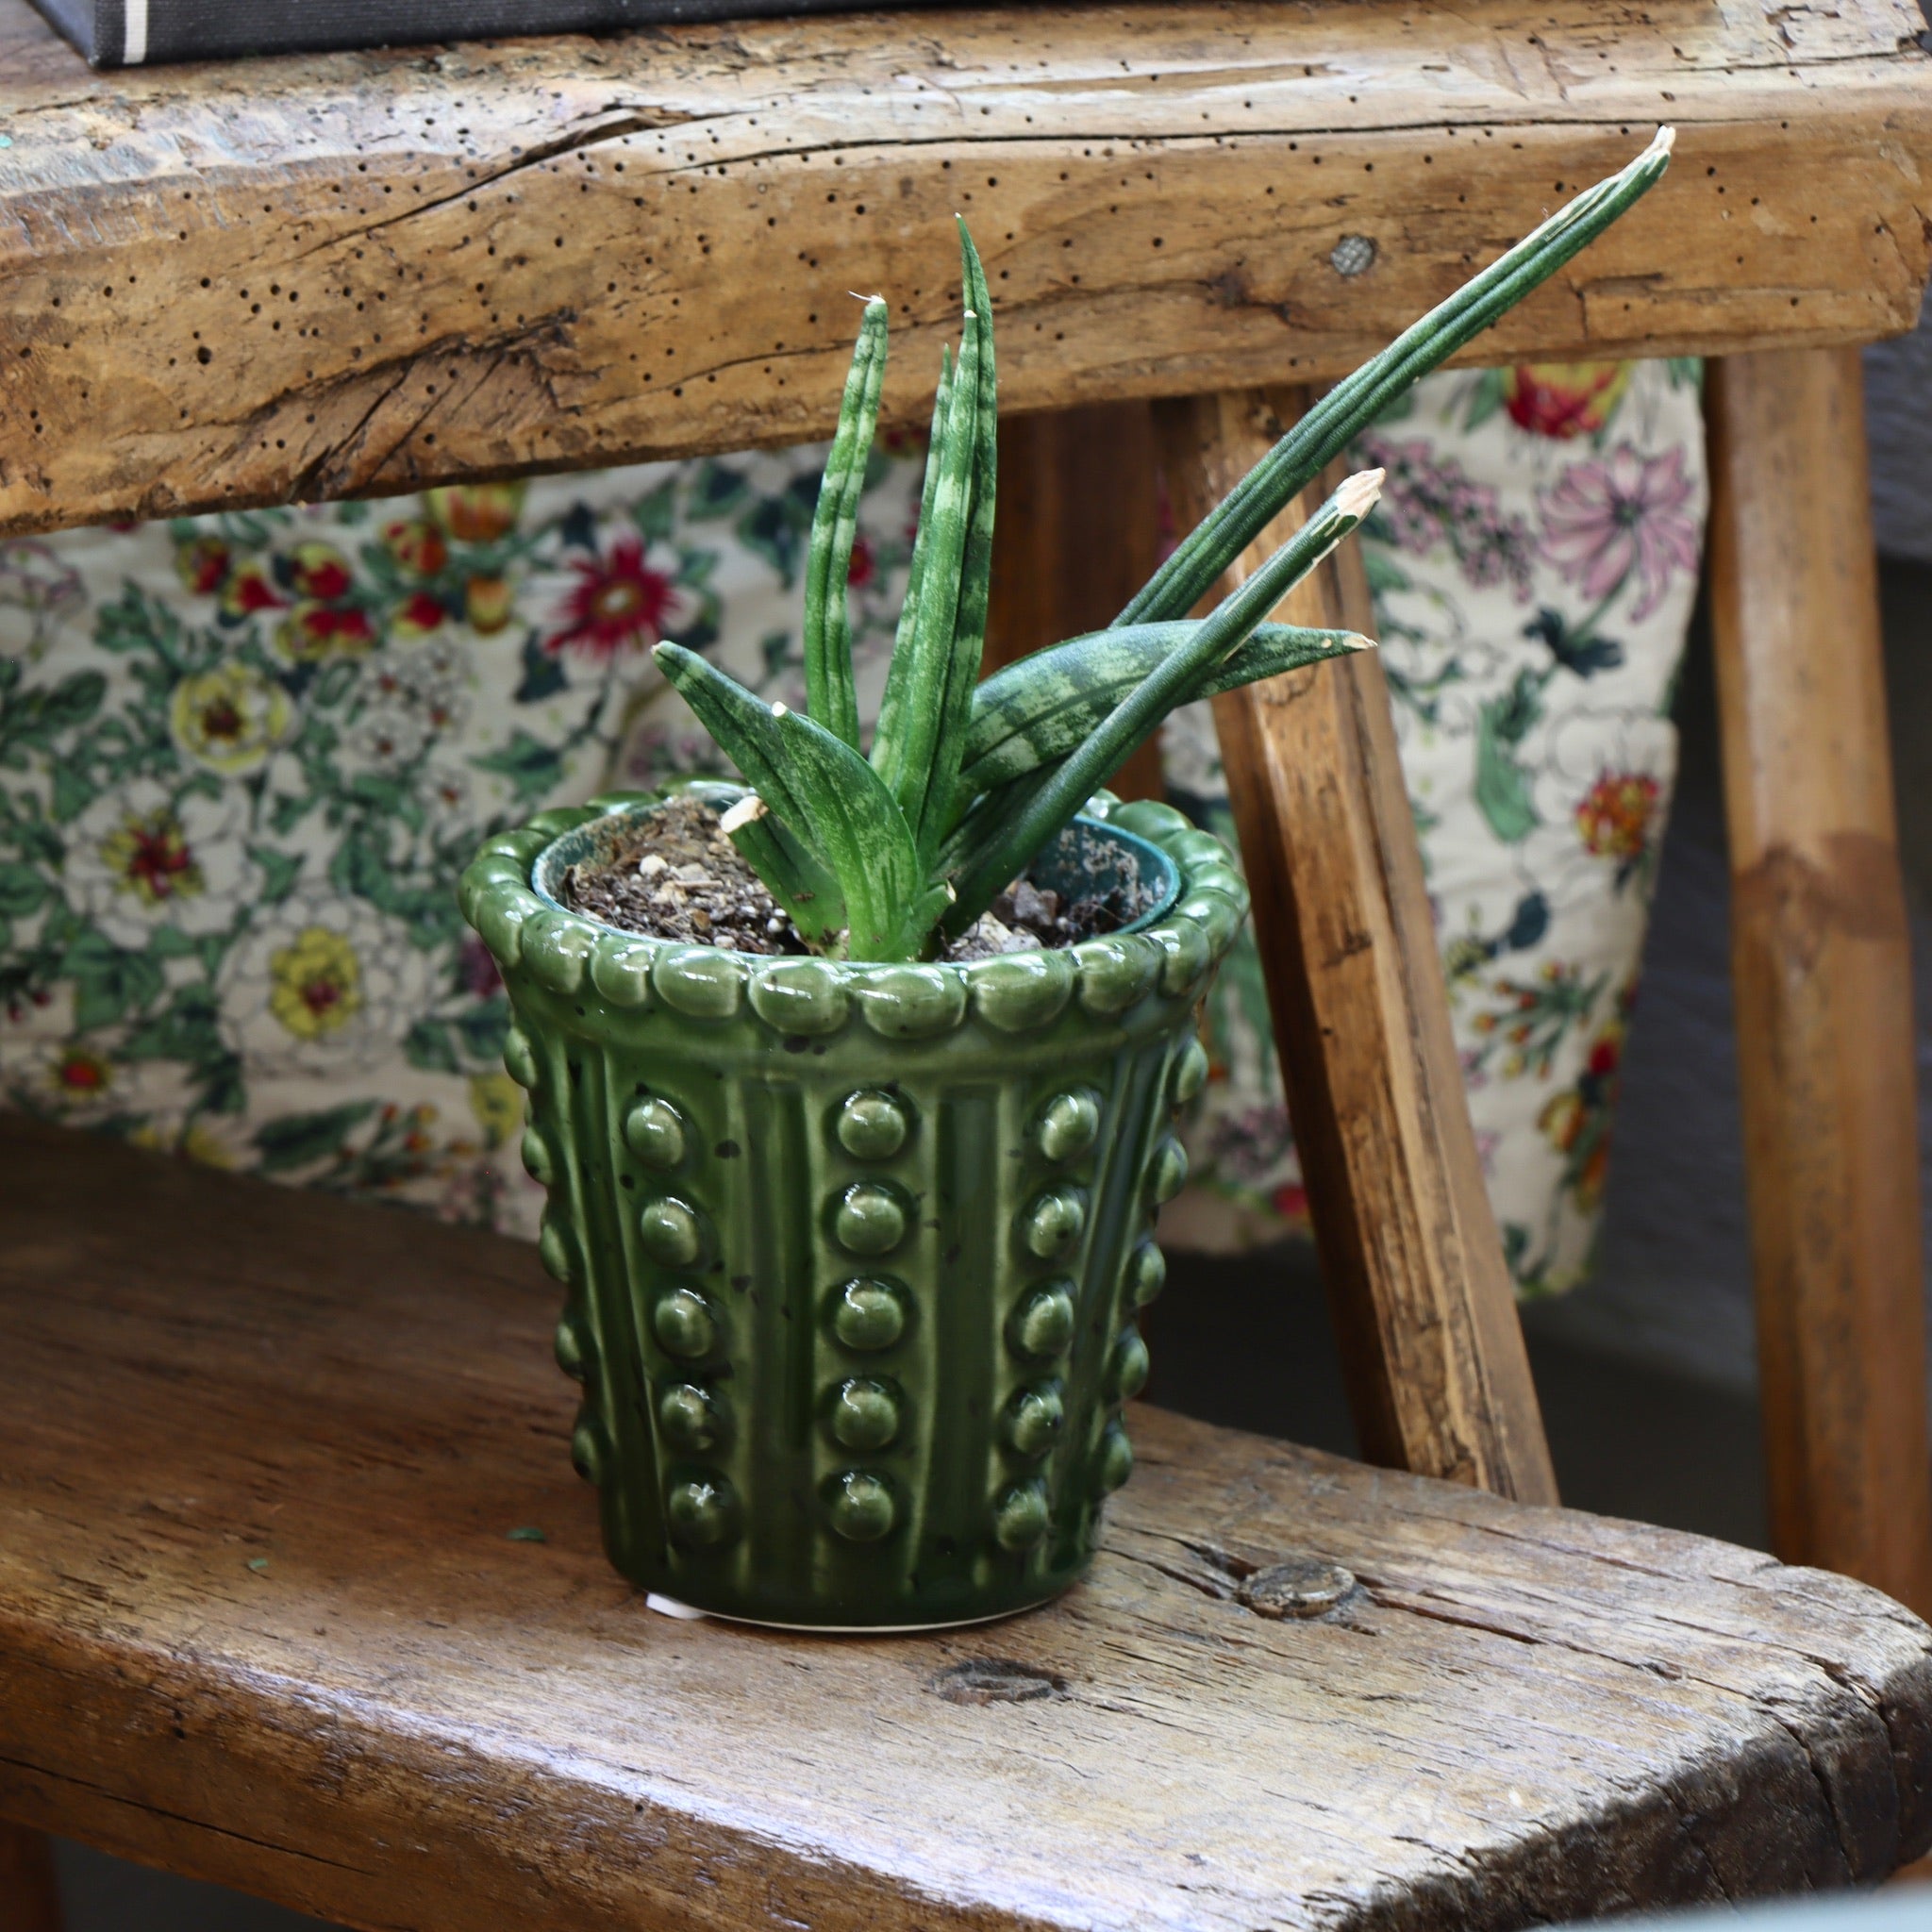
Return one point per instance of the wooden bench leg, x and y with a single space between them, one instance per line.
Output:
30 1894
1423 1307
1821 965
1078 534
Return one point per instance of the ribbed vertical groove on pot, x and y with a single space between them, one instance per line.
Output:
1015 1177
629 1418
778 1229
965 1321
1133 1117
564 1213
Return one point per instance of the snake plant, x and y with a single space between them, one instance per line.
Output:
882 852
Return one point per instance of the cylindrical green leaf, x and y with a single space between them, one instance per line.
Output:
827 633
1334 422
1020 834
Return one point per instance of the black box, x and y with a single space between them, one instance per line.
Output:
128 33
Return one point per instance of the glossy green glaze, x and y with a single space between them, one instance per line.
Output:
852 1253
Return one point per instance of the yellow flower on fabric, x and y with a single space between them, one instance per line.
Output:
497 1102
147 857
477 512
197 1141
1561 1119
228 718
417 546
316 983
203 564
488 603
248 590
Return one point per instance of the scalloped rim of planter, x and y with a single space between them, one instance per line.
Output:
1171 947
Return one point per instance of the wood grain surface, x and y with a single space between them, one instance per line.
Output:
1424 1310
1821 965
261 1620
1078 533
29 1889
290 279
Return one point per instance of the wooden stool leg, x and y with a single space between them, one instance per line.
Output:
29 1893
1078 534
1423 1307
1822 965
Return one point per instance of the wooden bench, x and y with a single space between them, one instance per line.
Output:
272 1613
282 280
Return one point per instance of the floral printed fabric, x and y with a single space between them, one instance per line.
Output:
1534 561
243 757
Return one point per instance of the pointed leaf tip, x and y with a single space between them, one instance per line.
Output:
1359 495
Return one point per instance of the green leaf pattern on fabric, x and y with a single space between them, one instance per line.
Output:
243 757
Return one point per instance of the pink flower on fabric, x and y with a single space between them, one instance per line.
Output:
1606 521
1425 502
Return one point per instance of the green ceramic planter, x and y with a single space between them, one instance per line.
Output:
853 1252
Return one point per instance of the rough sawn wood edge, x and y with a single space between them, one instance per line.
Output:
478 289
1859 1734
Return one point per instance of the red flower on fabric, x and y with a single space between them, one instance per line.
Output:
314 631
321 572
1563 400
1290 1201
1614 817
418 546
202 564
864 565
80 1075
248 591
620 602
420 614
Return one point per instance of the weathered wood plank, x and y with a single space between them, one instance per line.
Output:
1078 534
307 277
30 1890
260 1621
1424 1310
1822 962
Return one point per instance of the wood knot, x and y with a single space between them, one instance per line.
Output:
996 1680
1847 885
1354 255
1300 1586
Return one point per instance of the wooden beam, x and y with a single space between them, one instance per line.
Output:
1423 1307
1078 532
1821 960
290 279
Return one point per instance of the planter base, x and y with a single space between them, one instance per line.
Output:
686 1613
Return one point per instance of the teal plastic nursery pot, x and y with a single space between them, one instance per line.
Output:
852 1253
